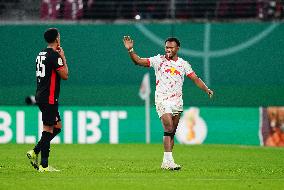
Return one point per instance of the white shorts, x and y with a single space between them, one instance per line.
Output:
168 107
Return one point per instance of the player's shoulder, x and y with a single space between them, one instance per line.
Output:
183 61
43 51
158 56
52 53
47 52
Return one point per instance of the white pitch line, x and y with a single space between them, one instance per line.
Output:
206 46
218 53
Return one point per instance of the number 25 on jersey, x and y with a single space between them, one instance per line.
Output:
40 67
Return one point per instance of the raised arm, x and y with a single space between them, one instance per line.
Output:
198 82
63 73
128 43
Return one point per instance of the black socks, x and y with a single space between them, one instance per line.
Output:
43 145
45 148
56 131
37 148
45 136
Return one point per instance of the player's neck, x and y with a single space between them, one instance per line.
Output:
174 58
53 46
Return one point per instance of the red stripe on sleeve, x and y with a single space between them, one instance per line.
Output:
148 60
52 87
157 82
60 68
190 74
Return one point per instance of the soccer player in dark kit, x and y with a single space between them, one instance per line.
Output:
51 67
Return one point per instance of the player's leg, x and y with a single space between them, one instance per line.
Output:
42 146
44 109
167 124
44 167
48 132
165 113
57 126
47 135
33 154
53 126
49 118
168 160
175 119
56 129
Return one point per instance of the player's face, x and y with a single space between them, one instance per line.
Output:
58 39
171 49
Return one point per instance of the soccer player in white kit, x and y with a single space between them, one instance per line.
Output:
169 70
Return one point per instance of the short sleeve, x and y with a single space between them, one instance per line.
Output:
188 69
58 62
154 61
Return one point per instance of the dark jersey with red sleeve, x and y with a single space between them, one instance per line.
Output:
48 62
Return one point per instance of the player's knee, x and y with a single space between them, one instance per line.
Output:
56 130
169 128
47 128
175 130
58 125
168 134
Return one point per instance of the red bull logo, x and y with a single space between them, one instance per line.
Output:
172 71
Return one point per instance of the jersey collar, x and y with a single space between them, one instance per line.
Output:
171 59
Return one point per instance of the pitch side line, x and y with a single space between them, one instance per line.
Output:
207 54
218 53
206 46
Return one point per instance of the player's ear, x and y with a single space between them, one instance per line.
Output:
58 41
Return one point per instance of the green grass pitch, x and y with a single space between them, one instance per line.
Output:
137 166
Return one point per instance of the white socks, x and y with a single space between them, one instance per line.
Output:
168 156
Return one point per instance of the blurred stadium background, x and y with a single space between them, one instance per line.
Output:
236 47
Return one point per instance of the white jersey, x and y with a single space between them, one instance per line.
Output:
169 78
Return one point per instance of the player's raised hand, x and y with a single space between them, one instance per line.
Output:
60 51
210 93
128 42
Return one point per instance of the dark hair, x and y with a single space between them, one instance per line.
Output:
50 35
173 39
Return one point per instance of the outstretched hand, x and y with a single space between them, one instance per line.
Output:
210 93
128 42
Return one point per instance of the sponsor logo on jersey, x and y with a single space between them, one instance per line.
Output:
60 62
172 71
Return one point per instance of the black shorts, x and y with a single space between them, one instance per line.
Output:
50 114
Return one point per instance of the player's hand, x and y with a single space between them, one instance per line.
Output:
210 93
60 51
128 42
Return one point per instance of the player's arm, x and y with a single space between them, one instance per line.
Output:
128 43
198 82
63 71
